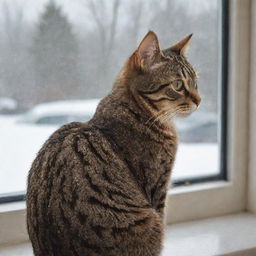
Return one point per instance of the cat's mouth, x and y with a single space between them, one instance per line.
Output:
184 105
186 109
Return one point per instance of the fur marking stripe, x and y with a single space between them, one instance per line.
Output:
95 201
156 90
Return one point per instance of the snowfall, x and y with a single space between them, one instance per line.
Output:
19 144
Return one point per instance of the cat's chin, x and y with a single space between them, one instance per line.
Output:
185 114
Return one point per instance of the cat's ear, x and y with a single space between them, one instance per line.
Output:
182 46
148 51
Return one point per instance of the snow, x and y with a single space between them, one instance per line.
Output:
18 147
196 160
19 144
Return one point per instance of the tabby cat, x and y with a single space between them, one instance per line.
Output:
99 188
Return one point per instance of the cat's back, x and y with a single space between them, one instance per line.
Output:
56 150
78 187
73 157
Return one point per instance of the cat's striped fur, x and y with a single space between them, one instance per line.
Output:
99 188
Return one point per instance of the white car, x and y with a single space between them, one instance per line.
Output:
200 127
60 112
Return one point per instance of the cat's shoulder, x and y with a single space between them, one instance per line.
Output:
73 126
68 131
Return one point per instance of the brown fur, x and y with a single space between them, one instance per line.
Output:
99 188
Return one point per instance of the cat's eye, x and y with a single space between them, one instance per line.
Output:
177 85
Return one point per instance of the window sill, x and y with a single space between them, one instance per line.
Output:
232 235
11 207
183 207
222 236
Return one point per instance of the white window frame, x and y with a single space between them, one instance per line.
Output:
251 176
210 199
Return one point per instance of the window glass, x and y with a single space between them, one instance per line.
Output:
55 52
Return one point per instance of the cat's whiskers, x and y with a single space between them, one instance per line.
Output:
153 116
163 116
157 117
170 114
152 119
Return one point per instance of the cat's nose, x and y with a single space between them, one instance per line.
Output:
196 100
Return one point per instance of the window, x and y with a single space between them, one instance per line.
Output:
57 56
208 199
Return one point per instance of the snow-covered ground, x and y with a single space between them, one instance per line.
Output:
19 144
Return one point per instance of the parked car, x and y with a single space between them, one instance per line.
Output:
8 105
199 127
60 112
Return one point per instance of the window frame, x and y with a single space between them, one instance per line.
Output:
251 200
12 197
208 199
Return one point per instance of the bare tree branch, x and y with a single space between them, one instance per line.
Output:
136 14
12 24
106 31
100 25
113 26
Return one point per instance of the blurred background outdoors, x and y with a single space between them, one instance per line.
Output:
58 58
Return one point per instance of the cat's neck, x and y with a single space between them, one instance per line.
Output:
125 109
126 113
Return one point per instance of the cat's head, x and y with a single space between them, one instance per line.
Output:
163 81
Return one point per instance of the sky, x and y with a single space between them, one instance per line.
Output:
76 9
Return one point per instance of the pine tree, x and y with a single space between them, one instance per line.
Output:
55 52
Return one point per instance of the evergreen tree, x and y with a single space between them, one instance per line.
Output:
55 52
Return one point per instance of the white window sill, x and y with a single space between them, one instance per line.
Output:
12 207
227 235
12 215
233 235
